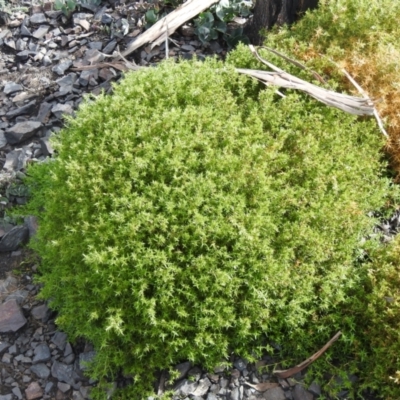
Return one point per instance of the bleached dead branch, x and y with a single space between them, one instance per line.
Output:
350 104
169 24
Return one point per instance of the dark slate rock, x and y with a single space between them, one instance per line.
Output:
17 392
106 19
240 364
11 317
202 388
40 370
300 393
25 31
315 389
12 87
187 47
23 55
59 109
85 358
3 140
185 387
42 354
41 31
14 238
62 67
40 312
110 47
18 295
60 340
26 109
6 397
46 147
22 131
44 112
62 372
95 45
38 18
32 223
15 160
4 346
183 369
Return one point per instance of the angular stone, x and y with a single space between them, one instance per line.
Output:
62 67
41 31
38 18
23 55
26 109
62 372
3 140
25 31
17 392
60 340
14 238
183 369
202 388
4 346
315 389
185 387
40 312
44 112
12 87
22 131
19 295
300 393
85 358
15 160
40 370
33 391
59 109
42 354
110 47
64 387
11 317
6 397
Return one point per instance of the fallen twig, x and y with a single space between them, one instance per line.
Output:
292 371
169 24
351 104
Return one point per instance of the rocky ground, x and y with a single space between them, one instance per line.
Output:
47 63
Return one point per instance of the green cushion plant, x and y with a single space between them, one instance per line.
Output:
194 214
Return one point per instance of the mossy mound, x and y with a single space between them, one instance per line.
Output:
194 213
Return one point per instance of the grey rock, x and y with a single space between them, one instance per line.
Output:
42 354
62 372
64 387
235 394
15 160
300 393
4 346
67 80
23 55
3 140
6 396
17 392
62 67
95 45
276 393
240 364
26 109
12 87
38 18
60 340
110 47
85 358
183 369
40 370
14 238
40 312
11 317
49 387
46 147
315 389
25 31
59 109
22 131
106 19
41 31
212 396
19 296
202 388
44 112
185 387
187 47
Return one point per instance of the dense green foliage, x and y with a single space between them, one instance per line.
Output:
194 213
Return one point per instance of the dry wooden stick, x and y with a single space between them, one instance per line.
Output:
169 24
292 371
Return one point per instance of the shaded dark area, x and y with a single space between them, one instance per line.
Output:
268 13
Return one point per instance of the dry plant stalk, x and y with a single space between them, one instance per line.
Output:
350 104
292 371
169 24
